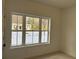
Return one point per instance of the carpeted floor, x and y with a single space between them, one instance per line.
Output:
54 56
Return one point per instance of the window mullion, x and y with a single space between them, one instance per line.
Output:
32 30
17 32
40 20
24 27
49 30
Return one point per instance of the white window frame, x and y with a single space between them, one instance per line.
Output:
23 31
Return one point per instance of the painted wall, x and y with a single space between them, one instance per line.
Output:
26 6
68 40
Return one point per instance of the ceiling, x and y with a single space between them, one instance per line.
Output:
58 3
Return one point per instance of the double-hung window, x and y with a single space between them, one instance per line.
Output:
29 30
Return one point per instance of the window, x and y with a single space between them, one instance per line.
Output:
16 38
28 30
32 30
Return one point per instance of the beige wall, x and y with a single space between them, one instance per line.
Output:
62 29
68 40
26 6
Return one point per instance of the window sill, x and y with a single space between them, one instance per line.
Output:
29 45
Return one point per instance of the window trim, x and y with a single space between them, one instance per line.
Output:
29 45
23 30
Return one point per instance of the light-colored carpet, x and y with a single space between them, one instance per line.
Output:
54 56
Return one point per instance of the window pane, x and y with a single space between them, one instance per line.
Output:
35 37
35 24
44 36
28 38
13 40
20 19
19 41
32 37
17 22
16 38
14 22
44 24
32 23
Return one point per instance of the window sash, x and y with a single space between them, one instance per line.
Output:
24 29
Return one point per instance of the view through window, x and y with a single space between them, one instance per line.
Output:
29 30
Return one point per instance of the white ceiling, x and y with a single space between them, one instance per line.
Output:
58 3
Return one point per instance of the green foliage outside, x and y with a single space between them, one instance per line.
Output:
34 22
